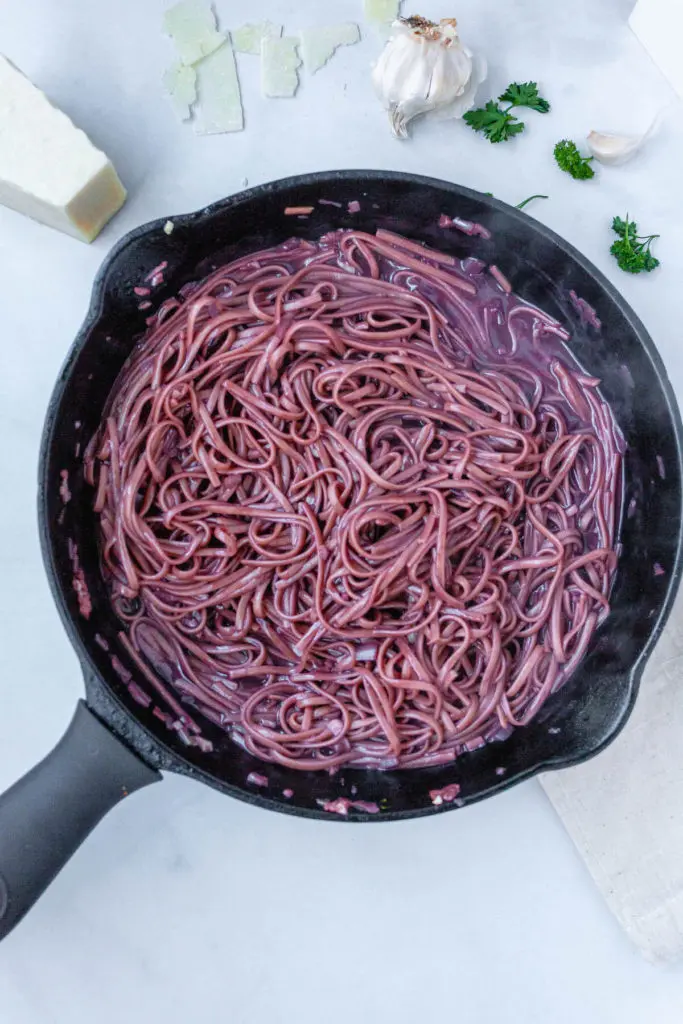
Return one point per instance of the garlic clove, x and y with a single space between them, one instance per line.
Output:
613 149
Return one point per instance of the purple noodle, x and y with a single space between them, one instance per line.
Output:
357 505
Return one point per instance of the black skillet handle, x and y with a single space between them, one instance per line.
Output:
45 816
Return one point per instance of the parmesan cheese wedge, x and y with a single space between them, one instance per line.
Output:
49 169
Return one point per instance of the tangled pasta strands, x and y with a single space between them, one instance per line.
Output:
357 504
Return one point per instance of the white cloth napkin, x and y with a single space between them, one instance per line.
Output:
624 808
658 24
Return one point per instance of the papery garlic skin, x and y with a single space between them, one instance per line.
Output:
612 149
425 70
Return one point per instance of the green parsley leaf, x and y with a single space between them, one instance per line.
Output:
525 95
625 227
496 124
570 160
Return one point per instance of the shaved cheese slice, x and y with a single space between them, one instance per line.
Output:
318 44
279 63
382 12
220 99
191 24
247 39
180 82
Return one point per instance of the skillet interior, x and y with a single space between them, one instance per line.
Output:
592 707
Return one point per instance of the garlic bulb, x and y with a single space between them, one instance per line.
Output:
425 69
613 149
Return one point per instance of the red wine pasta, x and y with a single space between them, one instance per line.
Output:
357 504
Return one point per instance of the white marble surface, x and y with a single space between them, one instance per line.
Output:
185 905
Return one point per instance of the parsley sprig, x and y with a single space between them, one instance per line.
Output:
632 251
497 124
570 160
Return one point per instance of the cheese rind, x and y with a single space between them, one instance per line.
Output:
49 169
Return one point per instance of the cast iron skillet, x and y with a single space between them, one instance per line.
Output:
114 745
